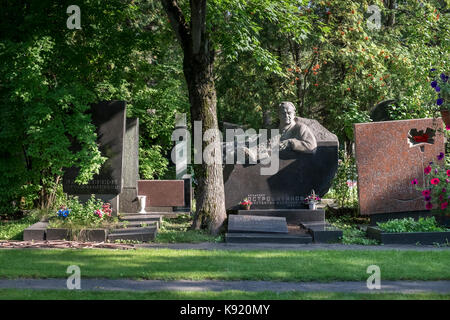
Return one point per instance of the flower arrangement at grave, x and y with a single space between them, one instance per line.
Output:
312 200
436 190
63 212
75 215
441 86
246 204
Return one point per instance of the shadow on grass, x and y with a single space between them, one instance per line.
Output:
226 265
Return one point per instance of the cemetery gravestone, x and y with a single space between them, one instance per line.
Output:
128 201
109 117
298 174
389 155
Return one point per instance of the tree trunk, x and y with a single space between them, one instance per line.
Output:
198 70
209 196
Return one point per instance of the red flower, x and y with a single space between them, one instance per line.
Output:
444 205
427 170
429 206
448 173
426 193
435 181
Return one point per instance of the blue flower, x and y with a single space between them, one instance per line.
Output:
434 84
440 156
433 69
438 89
444 77
439 101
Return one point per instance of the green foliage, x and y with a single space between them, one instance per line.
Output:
82 215
13 229
344 189
351 232
152 164
410 225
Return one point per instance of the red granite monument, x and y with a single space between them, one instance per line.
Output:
389 155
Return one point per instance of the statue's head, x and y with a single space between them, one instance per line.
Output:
286 112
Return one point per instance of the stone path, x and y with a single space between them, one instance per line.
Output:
216 285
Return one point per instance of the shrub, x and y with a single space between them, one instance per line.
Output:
344 188
410 225
75 215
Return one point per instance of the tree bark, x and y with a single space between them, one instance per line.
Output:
390 4
198 70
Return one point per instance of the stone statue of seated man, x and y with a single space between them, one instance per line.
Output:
295 135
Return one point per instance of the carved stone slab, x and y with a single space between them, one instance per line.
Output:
387 161
243 223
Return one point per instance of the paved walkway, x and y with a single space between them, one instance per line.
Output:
274 246
216 285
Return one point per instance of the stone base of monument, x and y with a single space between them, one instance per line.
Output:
322 232
136 227
36 231
261 229
267 238
293 216
90 235
304 225
425 238
132 226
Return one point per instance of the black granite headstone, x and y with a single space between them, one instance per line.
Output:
243 223
109 119
298 174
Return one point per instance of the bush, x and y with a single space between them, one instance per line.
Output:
410 225
344 188
75 215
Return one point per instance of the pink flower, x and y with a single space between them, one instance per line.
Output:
429 206
447 127
444 205
441 198
427 170
444 190
414 181
448 173
99 213
426 193
435 181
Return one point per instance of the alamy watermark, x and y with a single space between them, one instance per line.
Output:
374 21
374 280
74 280
74 20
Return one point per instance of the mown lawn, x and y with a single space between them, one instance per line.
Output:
326 265
16 294
177 230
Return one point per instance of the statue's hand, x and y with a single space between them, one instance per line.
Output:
284 145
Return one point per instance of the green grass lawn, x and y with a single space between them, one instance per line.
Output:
15 294
167 264
13 230
177 230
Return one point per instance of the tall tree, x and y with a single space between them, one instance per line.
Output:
198 65
229 30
